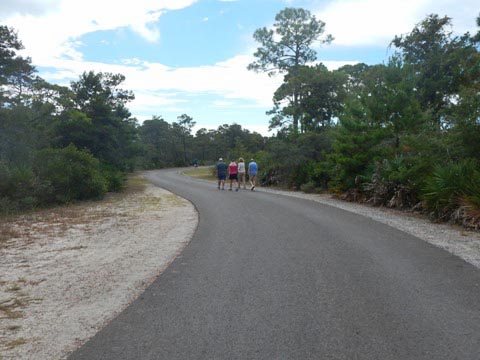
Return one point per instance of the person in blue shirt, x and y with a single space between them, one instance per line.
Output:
221 173
252 173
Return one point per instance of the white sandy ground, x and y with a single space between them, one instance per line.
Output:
60 284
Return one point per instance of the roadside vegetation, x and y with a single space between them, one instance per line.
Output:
205 173
403 134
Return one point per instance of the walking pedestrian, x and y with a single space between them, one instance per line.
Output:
221 173
233 174
252 173
242 176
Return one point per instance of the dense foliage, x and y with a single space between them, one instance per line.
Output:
402 134
60 144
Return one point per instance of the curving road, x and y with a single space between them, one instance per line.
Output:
273 277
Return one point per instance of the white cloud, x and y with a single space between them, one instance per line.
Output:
63 21
158 86
222 103
376 22
151 102
26 7
261 129
334 65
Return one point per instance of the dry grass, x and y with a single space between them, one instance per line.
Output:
56 221
201 173
10 309
13 344
13 327
80 247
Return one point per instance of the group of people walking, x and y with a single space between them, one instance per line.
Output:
236 172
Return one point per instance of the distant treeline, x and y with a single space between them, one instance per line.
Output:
403 134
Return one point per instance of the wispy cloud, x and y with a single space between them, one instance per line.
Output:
27 7
376 22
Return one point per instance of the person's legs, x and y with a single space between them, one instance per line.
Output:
253 180
242 180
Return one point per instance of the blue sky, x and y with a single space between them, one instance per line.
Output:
190 56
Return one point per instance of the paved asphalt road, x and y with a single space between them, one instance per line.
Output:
273 277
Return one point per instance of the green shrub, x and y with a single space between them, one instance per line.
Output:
308 187
115 179
397 182
451 187
69 174
4 176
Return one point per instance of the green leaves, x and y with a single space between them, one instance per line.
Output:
71 175
287 47
16 72
451 186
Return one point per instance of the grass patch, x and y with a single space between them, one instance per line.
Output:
13 344
201 173
57 220
135 184
14 288
10 313
148 203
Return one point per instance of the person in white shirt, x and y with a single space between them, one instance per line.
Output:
242 178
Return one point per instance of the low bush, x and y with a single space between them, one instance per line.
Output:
397 182
309 187
452 193
70 174
115 179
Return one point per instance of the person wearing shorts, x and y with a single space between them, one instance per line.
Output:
233 174
252 173
242 176
221 173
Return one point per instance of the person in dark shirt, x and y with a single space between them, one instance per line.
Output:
221 173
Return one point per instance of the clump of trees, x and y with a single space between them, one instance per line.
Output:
403 134
167 145
60 144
